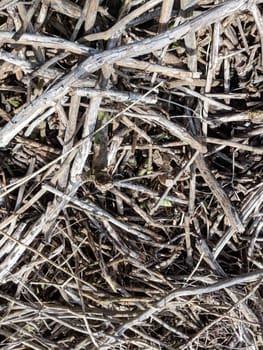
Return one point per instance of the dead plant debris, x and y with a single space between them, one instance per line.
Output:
131 190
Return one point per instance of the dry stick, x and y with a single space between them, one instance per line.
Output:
42 15
12 218
227 78
100 162
157 68
254 116
6 3
132 126
190 214
119 27
174 181
228 95
66 7
51 96
62 179
244 309
176 130
259 22
27 26
150 193
69 137
160 344
7 246
87 15
40 119
190 39
27 246
24 64
164 302
120 96
220 195
147 218
78 163
45 41
189 81
246 212
12 187
230 211
90 13
241 146
188 245
22 189
205 98
93 209
189 3
213 62
166 12
205 329
242 34
191 50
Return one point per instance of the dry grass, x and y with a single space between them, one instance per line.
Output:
131 174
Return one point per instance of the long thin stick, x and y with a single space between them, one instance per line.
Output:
183 292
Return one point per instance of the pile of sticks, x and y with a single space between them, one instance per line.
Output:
131 170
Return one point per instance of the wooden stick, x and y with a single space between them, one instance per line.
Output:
190 291
176 130
220 195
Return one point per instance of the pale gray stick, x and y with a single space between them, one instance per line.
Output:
45 41
120 26
150 193
190 291
7 3
69 138
157 68
255 201
176 130
259 22
25 65
230 143
67 8
219 193
93 209
205 98
120 96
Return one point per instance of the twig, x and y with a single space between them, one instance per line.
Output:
120 96
220 195
98 212
205 329
234 144
174 181
119 27
156 68
177 131
164 302
254 200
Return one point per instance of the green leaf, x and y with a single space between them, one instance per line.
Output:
166 203
15 103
